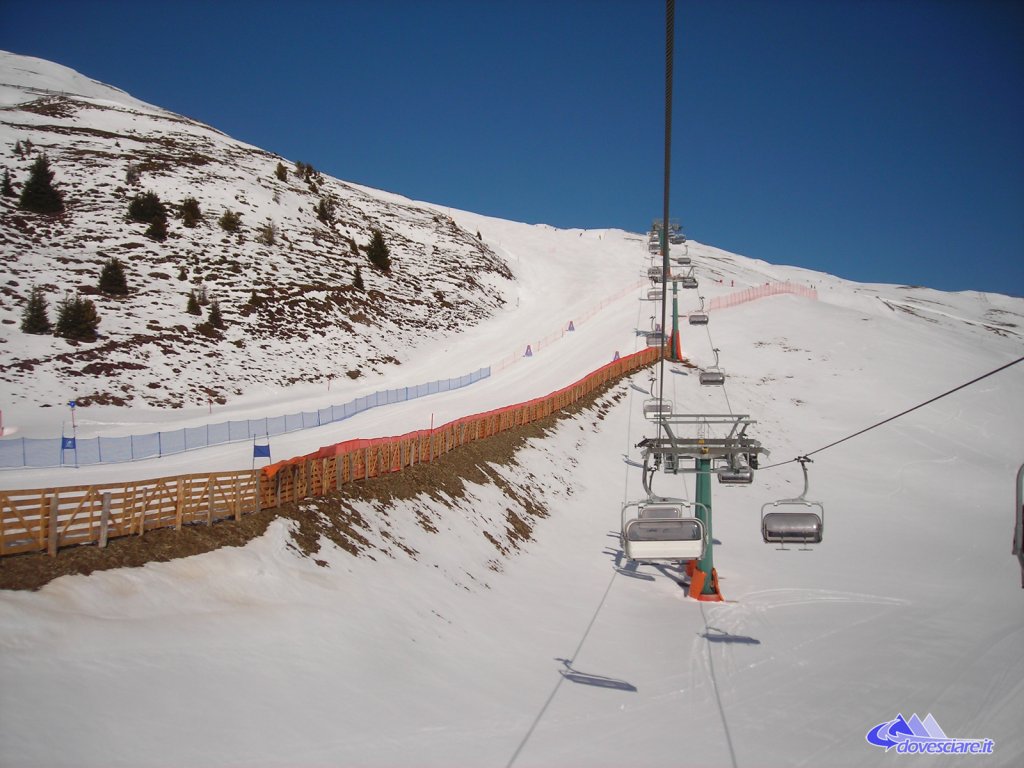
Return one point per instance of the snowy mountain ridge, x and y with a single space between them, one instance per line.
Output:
291 297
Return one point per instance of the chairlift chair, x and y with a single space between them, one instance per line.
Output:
713 376
656 407
682 260
688 282
654 274
656 339
799 524
655 294
735 474
700 317
662 530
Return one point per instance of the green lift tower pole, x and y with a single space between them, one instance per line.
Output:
707 562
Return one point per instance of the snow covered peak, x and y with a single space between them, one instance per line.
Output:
25 78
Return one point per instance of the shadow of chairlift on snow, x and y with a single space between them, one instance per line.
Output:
598 681
716 635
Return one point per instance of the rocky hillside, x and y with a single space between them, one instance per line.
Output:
284 280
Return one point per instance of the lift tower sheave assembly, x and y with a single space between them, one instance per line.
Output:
677 451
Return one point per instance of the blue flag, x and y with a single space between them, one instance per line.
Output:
67 443
261 451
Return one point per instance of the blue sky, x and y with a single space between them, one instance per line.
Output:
878 140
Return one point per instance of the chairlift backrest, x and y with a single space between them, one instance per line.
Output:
698 318
792 527
794 521
656 407
736 476
712 378
662 531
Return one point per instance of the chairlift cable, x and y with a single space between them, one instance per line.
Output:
711 341
670 12
901 413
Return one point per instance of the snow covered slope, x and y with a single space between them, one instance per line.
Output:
435 648
290 298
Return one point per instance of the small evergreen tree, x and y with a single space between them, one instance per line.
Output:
267 234
112 279
326 210
6 187
203 298
39 195
230 221
254 299
132 174
34 319
357 281
77 319
214 318
378 252
193 304
281 172
157 230
183 273
146 207
190 213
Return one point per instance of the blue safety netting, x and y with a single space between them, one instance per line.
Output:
47 452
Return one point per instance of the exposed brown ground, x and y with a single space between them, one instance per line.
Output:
332 516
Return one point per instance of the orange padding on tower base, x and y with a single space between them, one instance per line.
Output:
697 580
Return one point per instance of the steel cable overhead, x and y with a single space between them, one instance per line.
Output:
898 415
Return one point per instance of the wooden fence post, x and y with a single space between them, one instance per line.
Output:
52 529
105 520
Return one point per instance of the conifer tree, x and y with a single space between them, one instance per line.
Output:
6 187
157 230
112 279
34 319
281 172
190 213
77 319
214 318
39 195
146 207
193 304
378 252
230 221
357 281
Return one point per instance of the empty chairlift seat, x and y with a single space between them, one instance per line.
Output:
662 531
654 273
654 294
688 282
735 475
683 260
712 377
655 339
698 318
792 522
655 407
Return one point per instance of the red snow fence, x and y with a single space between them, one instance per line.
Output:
760 292
48 519
329 468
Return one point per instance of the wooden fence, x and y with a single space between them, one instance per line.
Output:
50 518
